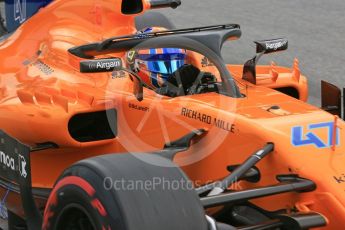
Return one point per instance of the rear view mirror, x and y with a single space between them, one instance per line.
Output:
271 46
331 98
262 47
132 6
111 65
101 65
138 90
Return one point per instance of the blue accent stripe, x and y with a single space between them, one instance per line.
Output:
162 57
153 51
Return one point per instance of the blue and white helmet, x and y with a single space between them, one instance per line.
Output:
154 66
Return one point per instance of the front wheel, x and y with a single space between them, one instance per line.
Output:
124 192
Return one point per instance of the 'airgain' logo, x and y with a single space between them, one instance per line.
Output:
301 137
20 11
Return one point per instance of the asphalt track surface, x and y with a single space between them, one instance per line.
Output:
315 30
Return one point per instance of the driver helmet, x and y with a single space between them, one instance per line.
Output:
154 66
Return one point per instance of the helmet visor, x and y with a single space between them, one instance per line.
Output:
164 67
162 61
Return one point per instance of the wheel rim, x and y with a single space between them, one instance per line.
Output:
74 217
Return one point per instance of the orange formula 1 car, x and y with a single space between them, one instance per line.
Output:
112 119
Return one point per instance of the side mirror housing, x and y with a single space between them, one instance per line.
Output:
331 98
101 65
138 89
129 7
262 47
271 46
110 65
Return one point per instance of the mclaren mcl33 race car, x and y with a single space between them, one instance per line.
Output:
111 118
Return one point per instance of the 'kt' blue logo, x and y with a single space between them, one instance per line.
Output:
310 138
